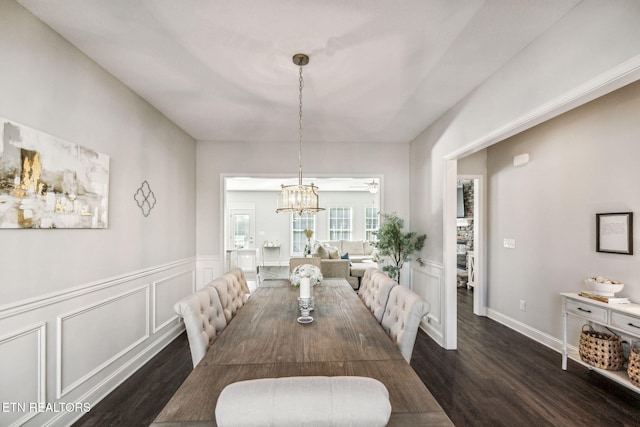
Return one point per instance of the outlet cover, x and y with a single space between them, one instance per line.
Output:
509 243
523 305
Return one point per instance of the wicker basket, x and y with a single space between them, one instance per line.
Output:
600 349
634 364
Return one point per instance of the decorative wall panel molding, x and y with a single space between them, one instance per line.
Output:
208 268
427 281
93 337
78 369
42 301
29 371
166 293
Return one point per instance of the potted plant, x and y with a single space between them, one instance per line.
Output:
397 245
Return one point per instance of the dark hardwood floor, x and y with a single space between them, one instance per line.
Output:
138 400
497 377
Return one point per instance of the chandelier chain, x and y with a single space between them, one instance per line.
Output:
301 81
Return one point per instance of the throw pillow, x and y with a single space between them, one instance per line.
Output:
320 251
333 252
346 256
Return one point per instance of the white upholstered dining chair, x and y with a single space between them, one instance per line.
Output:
310 401
374 291
231 293
203 320
242 280
405 309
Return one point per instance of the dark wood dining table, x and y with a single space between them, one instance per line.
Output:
264 340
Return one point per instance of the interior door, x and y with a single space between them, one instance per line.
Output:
242 228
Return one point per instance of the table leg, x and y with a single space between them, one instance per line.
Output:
565 317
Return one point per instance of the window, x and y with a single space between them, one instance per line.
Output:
299 223
339 223
371 223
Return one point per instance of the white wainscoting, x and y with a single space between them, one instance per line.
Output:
208 268
75 346
428 282
29 371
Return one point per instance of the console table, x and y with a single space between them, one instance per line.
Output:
267 248
624 319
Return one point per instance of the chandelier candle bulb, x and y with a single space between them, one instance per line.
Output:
305 287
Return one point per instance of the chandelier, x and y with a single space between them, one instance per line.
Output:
300 199
373 187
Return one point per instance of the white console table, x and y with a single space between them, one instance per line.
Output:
624 319
269 248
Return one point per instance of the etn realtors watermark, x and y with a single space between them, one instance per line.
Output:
45 407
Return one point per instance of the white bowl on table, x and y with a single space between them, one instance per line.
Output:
603 289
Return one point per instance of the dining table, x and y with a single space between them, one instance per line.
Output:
265 340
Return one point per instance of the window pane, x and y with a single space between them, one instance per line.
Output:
371 223
339 223
299 223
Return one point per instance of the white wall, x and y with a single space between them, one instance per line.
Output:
390 161
594 49
81 309
582 163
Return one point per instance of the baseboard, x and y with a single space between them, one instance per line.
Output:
526 330
433 333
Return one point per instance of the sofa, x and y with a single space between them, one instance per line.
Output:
357 250
330 268
338 256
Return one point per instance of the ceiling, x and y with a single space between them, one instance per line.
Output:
379 70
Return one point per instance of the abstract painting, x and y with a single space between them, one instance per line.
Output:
47 182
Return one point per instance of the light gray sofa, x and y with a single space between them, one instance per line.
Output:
332 265
358 250
330 268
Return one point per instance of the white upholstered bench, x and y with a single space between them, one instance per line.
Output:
304 401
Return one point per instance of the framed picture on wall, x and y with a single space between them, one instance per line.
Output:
614 233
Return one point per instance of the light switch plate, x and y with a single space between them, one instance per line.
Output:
509 243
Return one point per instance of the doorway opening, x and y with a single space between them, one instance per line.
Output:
470 239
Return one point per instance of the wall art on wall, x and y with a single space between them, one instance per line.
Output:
614 233
145 198
47 182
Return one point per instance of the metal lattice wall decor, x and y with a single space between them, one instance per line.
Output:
145 198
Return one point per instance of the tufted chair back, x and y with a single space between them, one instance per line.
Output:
365 282
239 275
231 295
402 316
203 320
376 292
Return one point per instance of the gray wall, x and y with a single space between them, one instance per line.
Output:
82 309
582 163
49 85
